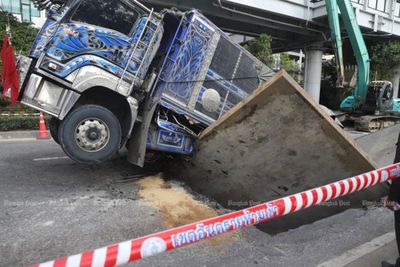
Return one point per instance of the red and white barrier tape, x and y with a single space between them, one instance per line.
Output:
19 114
119 254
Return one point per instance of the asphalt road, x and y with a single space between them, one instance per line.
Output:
52 207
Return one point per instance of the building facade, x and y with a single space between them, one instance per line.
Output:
24 10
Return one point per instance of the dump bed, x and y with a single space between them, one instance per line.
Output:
276 143
205 73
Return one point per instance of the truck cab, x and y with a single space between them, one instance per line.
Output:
114 72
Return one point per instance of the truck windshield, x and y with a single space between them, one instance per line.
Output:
118 15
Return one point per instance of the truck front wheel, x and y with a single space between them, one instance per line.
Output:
90 134
53 127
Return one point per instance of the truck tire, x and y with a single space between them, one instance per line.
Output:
53 127
90 134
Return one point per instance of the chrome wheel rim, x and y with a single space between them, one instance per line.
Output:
92 135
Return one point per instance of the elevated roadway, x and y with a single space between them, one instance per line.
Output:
295 25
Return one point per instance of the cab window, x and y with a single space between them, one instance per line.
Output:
118 15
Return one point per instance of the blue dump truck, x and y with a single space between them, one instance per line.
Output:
114 73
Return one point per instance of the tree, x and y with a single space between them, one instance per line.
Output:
385 60
23 34
288 64
261 48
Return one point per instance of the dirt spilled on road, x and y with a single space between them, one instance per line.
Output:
178 207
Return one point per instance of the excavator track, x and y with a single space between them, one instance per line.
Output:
374 123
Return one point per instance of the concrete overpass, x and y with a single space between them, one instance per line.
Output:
291 23
295 24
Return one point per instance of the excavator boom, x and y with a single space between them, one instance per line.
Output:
368 98
334 23
355 102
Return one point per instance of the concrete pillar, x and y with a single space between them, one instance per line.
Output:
396 83
313 72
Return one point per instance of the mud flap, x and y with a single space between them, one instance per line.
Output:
137 144
276 143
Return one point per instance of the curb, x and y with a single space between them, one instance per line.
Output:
18 135
371 253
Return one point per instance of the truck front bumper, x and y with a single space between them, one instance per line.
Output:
41 92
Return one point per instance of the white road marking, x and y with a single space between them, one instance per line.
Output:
5 140
48 159
363 253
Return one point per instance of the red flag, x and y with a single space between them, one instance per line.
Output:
9 72
3 57
13 74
